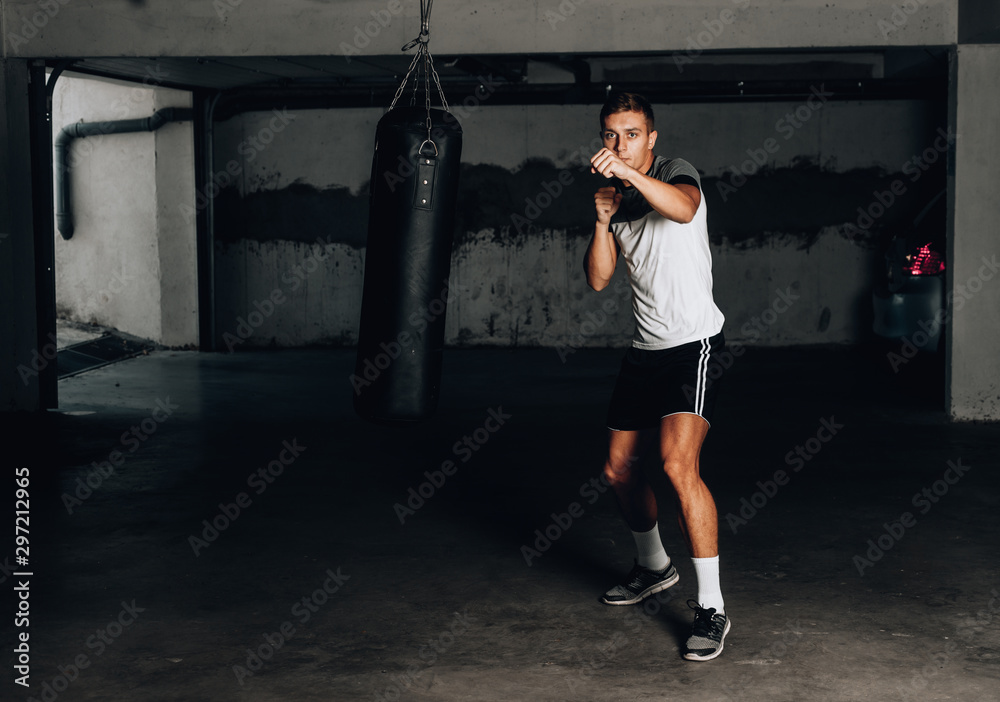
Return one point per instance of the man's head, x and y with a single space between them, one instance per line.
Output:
627 129
627 102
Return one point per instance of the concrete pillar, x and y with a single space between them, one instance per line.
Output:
973 340
176 234
19 386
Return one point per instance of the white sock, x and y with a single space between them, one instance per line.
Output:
651 553
709 591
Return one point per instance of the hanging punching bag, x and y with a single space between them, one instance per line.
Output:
414 188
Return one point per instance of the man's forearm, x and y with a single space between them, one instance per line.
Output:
601 257
668 200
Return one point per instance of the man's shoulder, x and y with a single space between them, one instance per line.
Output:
666 169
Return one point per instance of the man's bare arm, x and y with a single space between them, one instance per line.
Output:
677 203
602 254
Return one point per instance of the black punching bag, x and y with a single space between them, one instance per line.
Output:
411 219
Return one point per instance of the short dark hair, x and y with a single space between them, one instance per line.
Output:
627 102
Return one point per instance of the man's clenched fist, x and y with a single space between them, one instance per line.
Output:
606 200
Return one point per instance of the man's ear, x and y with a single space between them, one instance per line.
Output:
652 139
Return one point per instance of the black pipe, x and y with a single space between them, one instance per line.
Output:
79 130
204 137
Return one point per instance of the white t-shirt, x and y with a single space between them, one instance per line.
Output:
669 265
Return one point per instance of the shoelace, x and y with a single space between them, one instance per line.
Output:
704 624
635 576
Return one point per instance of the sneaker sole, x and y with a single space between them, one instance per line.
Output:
716 652
648 592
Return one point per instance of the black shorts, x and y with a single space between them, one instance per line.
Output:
654 384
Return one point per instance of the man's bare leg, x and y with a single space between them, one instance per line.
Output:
621 470
681 438
653 571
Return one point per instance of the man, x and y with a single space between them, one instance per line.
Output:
654 215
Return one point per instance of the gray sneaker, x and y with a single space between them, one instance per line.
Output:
640 584
707 635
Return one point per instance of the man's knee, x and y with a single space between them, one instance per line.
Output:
681 472
619 471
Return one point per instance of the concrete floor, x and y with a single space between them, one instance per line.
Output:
444 606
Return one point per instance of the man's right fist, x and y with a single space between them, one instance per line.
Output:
606 201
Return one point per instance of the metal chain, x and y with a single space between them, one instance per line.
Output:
416 84
423 52
427 90
402 85
437 81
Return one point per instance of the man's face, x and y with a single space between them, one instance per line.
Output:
626 135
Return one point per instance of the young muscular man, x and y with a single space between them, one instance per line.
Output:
654 215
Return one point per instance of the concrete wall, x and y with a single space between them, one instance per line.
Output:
792 229
974 334
131 261
55 28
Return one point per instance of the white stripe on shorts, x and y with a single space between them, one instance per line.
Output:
699 395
